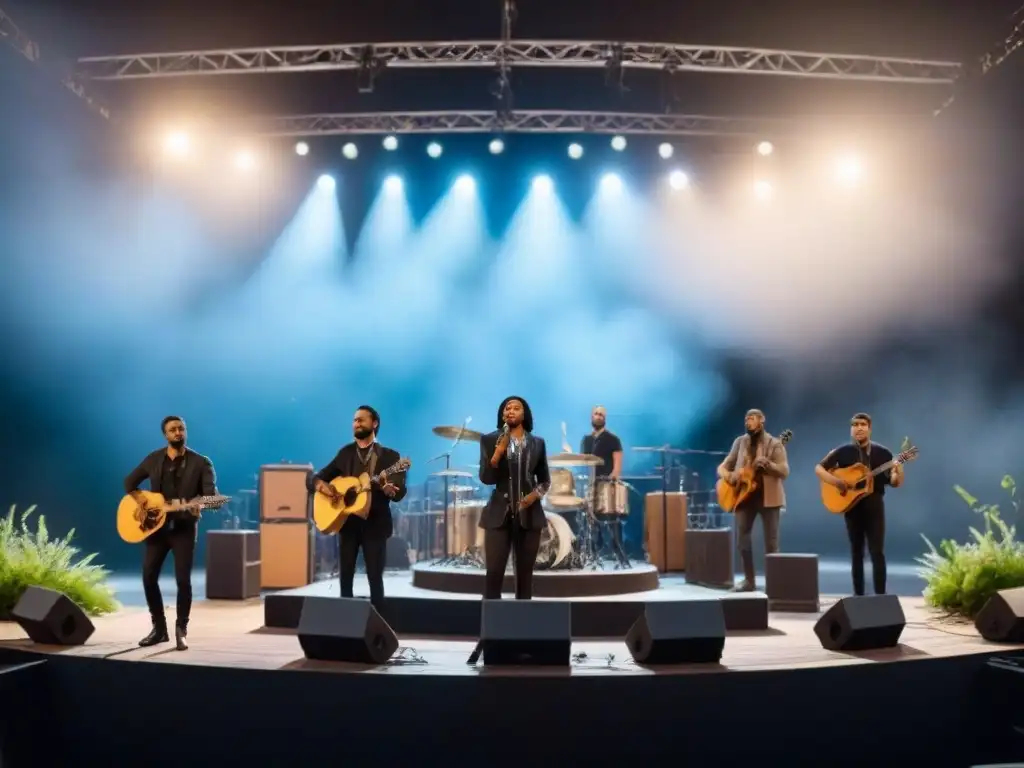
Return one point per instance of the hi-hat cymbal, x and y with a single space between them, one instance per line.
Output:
458 433
574 460
451 473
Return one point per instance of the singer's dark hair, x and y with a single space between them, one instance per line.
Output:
167 420
374 416
527 413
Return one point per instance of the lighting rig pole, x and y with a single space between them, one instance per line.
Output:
503 88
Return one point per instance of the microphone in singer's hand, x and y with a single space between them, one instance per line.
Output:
505 429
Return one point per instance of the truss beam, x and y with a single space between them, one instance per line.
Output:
521 53
520 121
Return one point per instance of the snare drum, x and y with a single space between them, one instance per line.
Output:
612 499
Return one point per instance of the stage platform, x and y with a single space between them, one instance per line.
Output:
411 609
640 577
246 693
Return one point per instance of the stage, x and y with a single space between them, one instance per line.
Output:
248 689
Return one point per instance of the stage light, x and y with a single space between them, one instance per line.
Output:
326 183
177 144
763 190
618 143
666 150
497 146
302 149
575 151
465 183
765 148
849 169
350 151
393 184
244 160
610 182
543 184
390 143
434 149
678 180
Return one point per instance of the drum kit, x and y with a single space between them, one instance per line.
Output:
575 507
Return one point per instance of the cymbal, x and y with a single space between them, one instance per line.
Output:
458 433
574 460
451 473
461 488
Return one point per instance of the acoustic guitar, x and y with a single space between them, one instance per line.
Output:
731 496
330 516
860 481
135 525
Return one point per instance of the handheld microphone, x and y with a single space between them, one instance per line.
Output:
505 429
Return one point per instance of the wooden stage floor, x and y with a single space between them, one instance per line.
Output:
231 634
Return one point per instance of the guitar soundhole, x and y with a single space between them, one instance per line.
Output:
350 497
146 519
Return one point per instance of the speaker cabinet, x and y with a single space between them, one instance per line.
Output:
51 618
862 624
682 632
345 629
283 492
232 565
525 632
1001 619
659 510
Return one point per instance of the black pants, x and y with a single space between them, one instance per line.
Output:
354 535
179 538
614 526
866 523
498 543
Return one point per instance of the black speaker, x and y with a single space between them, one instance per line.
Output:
526 632
52 618
862 624
678 632
344 629
1001 619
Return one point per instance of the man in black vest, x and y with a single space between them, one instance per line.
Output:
175 472
365 454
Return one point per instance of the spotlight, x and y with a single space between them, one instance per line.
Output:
763 190
326 183
177 144
245 160
849 169
390 143
302 149
765 148
350 151
610 182
666 150
678 180
393 184
434 150
465 183
575 151
497 146
543 184
618 143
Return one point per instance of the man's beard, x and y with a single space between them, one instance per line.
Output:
176 444
755 432
597 424
362 434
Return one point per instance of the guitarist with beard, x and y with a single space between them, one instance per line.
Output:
767 454
365 454
176 472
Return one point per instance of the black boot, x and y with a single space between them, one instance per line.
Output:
749 583
180 633
158 635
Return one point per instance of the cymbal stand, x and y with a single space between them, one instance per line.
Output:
590 554
446 557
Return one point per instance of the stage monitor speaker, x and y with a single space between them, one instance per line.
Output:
526 632
862 624
52 618
345 629
678 632
1001 619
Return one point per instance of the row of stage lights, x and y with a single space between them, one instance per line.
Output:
848 169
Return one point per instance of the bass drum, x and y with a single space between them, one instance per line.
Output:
556 542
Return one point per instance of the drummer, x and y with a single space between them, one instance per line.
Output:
603 444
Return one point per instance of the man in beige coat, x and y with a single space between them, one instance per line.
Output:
767 454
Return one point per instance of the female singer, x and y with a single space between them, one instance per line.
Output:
516 464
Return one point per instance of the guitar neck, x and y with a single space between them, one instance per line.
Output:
394 469
885 467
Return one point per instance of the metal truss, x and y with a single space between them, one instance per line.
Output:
520 53
520 121
17 39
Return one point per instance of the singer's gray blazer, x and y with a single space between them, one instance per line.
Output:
535 475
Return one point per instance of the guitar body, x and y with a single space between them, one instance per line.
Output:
134 526
731 496
329 516
859 483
